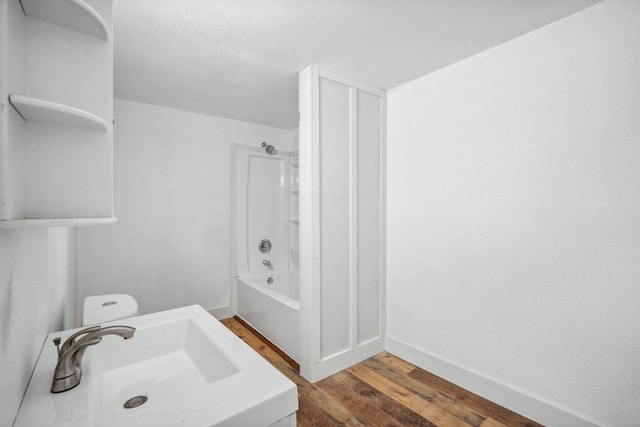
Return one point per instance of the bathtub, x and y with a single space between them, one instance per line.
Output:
273 309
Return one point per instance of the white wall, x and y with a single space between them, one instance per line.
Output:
513 215
172 184
37 296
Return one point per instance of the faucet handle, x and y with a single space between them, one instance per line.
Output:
56 341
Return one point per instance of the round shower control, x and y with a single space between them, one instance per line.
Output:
265 246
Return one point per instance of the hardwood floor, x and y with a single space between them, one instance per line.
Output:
383 391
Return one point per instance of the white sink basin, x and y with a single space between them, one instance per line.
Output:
191 370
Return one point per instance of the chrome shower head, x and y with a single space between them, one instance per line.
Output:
268 148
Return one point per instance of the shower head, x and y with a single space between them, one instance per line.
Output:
269 148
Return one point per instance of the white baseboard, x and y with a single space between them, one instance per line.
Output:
221 312
516 401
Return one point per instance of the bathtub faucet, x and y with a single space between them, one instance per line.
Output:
267 263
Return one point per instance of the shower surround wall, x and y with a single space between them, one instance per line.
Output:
266 288
263 211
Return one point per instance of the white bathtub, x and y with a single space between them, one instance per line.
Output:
273 309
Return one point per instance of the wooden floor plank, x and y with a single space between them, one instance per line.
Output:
383 391
308 419
387 366
337 386
398 364
473 401
399 412
314 401
367 403
490 422
426 409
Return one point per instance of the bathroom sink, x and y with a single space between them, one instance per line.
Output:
161 361
181 367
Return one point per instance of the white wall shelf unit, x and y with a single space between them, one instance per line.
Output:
56 105
39 110
56 222
73 14
294 213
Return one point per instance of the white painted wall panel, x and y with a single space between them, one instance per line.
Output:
341 222
309 224
69 172
368 216
334 218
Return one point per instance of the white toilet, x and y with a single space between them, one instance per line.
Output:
105 308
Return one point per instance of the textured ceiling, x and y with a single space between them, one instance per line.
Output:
240 58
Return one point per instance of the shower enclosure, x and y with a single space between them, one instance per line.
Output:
316 288
266 285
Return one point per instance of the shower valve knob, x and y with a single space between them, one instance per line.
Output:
265 246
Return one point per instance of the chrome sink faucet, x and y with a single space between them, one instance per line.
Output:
69 368
267 263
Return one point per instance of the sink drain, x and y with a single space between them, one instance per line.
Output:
134 402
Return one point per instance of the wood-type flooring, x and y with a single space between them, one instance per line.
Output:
382 391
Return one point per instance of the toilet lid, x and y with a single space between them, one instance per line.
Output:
105 308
